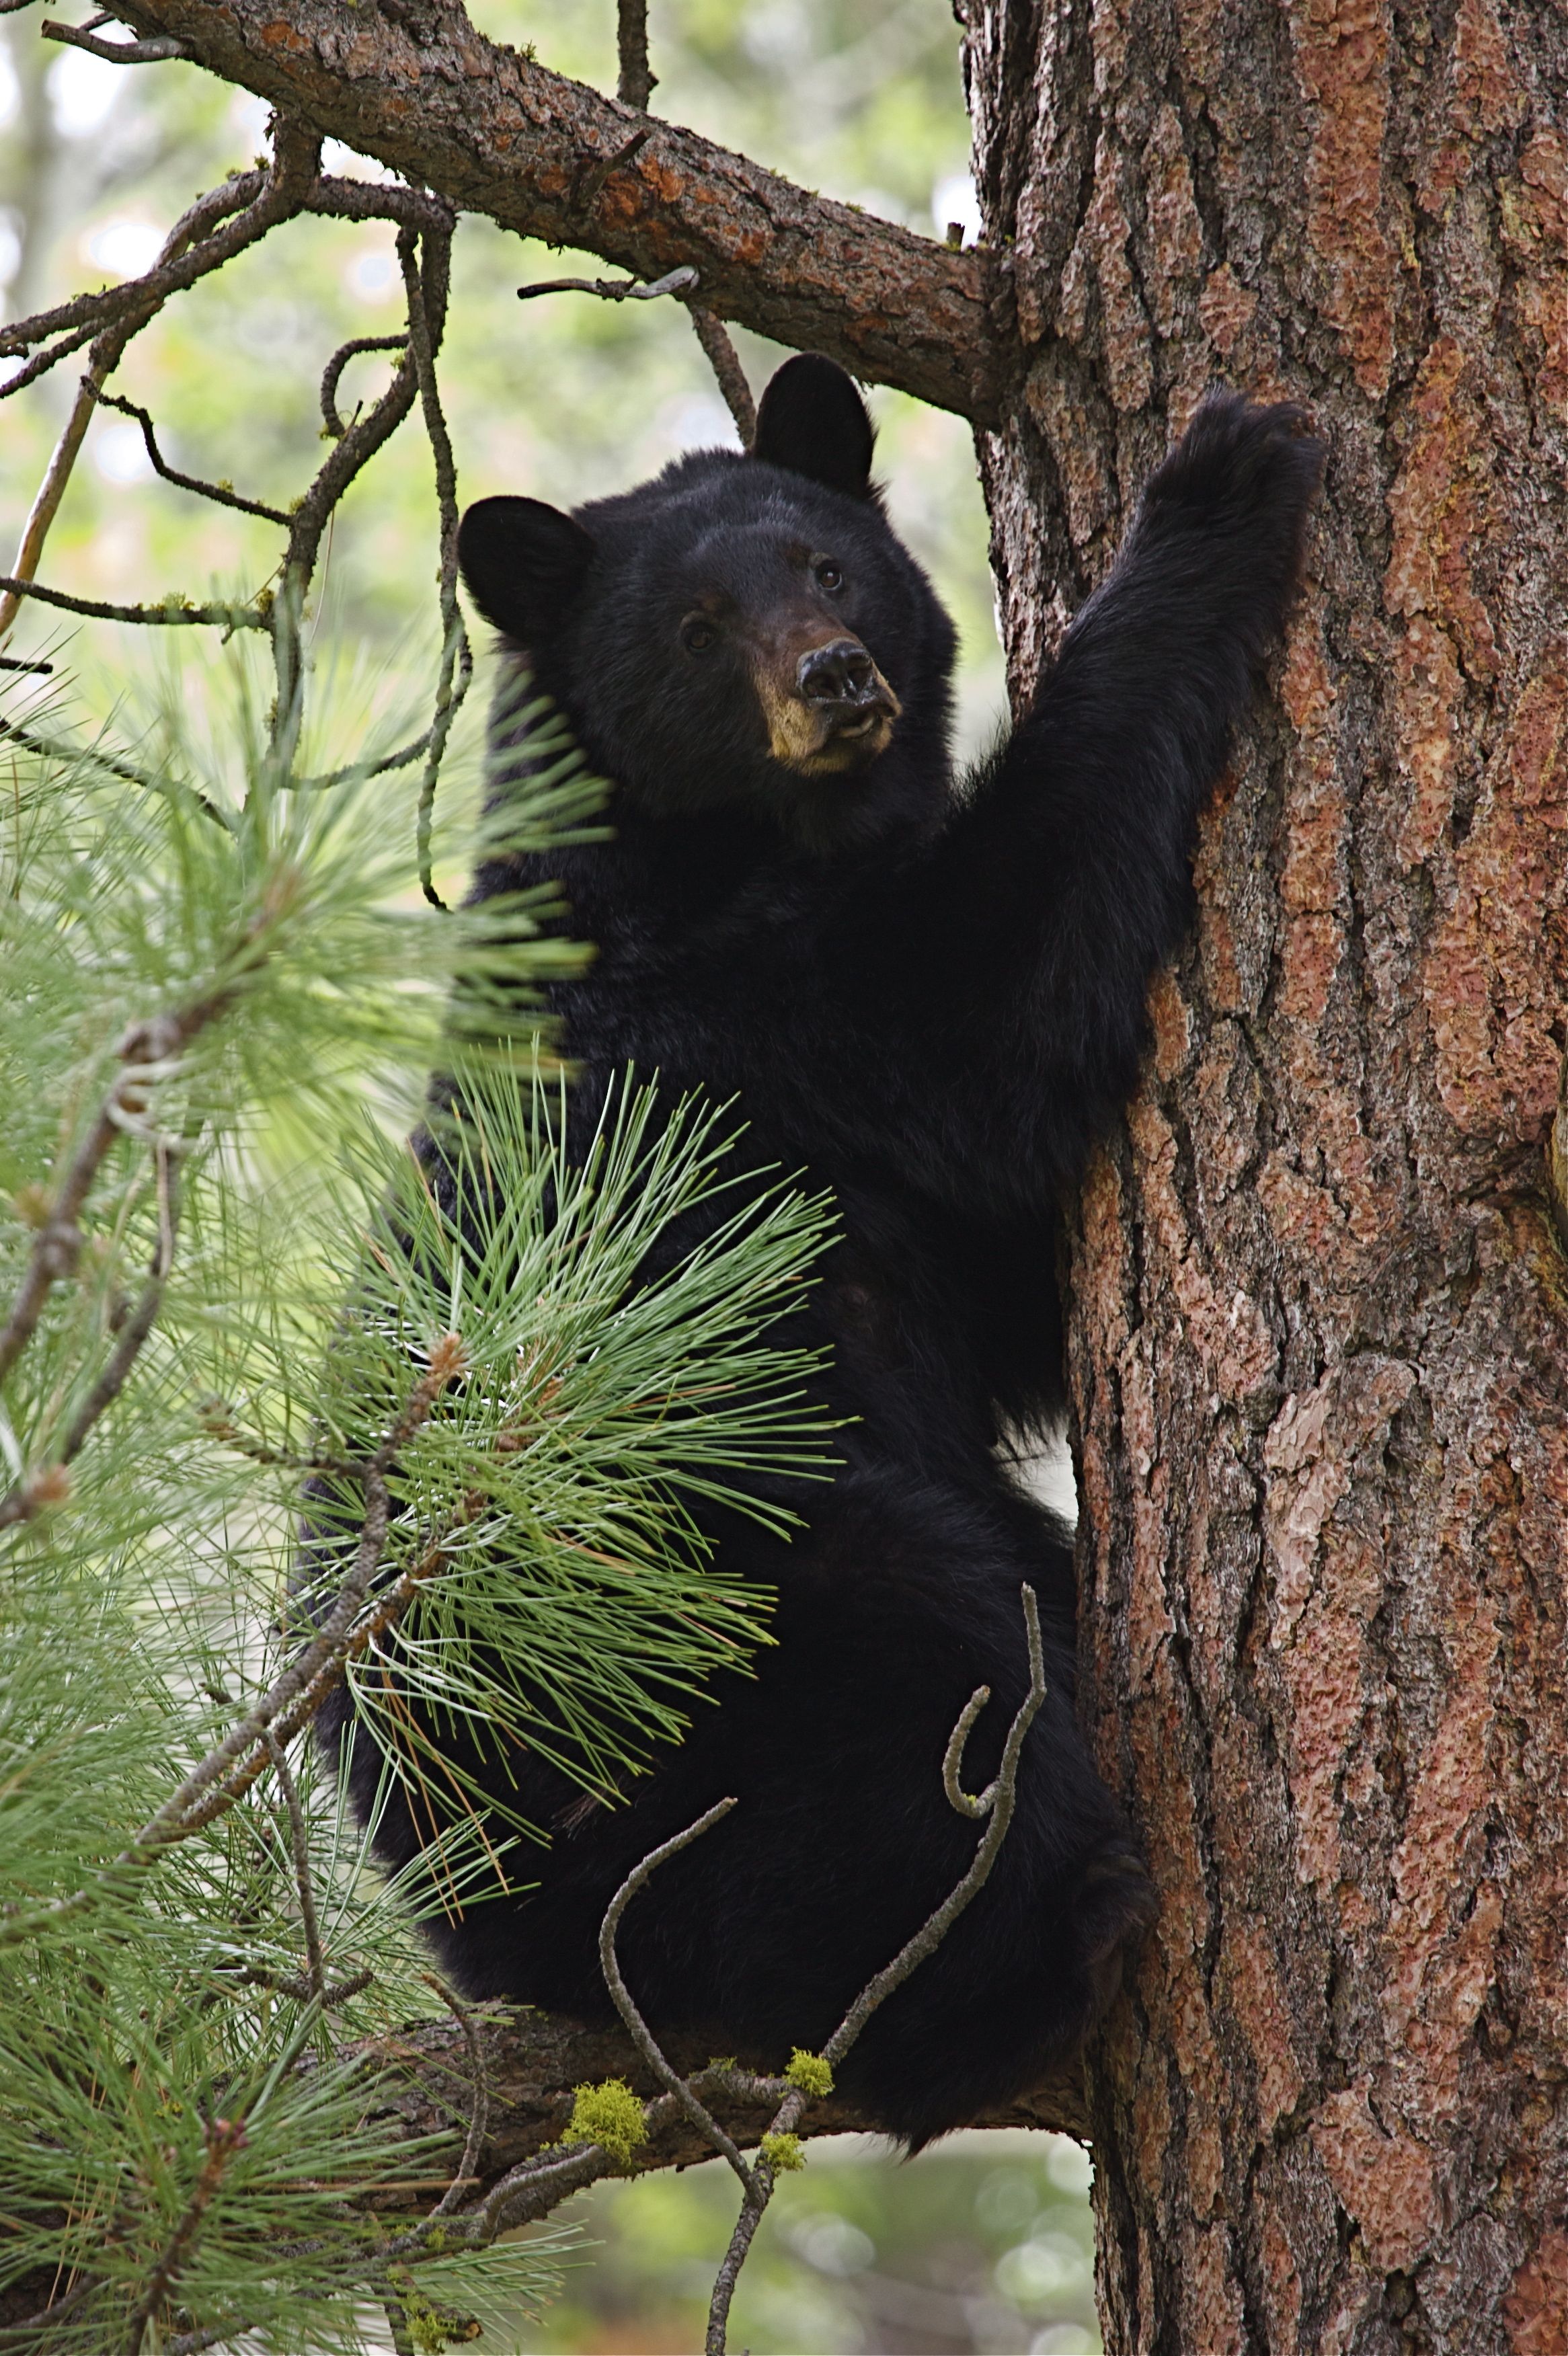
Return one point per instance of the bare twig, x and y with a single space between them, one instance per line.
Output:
299 1842
594 167
613 290
996 1802
297 1985
456 659
479 2118
156 51
952 1760
620 1995
224 2138
53 748
167 275
331 375
412 751
250 204
713 336
210 232
361 441
636 81
222 494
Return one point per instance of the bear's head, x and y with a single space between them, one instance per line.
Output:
741 631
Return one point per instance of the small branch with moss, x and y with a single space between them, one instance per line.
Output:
613 2126
222 494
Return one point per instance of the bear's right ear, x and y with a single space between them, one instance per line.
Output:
813 421
523 564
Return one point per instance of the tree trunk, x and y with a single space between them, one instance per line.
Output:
1319 1346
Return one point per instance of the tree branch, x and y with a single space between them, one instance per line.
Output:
115 53
494 134
534 2061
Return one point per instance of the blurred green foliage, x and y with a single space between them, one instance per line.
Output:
983 2243
564 399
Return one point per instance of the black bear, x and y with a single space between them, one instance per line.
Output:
930 998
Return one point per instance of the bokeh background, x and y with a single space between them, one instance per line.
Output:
984 2243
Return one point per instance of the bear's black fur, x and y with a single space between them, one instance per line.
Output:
929 999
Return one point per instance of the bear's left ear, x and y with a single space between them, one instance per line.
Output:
523 564
813 421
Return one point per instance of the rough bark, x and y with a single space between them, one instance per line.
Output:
413 83
1319 1356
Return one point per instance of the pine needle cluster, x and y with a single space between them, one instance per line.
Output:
226 1280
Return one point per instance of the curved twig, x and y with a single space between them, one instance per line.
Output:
953 1760
996 1802
331 376
620 1995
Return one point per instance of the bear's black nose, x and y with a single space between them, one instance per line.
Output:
841 673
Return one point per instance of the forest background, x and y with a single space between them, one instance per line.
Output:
985 2244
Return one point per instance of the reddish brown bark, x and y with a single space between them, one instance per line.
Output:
415 85
1319 1358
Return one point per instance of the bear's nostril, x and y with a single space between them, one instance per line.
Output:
842 672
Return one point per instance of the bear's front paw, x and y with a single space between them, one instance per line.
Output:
1241 458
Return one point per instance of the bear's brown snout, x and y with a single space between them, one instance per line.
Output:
842 672
836 713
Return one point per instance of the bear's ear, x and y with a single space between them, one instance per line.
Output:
523 563
813 422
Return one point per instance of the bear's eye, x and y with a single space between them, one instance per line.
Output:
829 574
697 635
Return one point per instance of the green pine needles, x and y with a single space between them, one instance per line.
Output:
225 1278
578 1414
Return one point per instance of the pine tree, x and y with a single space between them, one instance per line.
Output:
222 1277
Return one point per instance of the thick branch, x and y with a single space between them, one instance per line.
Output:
493 134
533 2061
